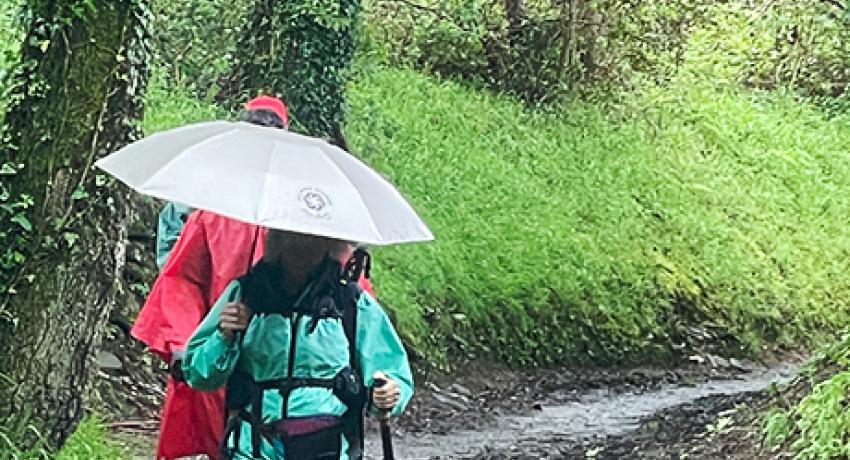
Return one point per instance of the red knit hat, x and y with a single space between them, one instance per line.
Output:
270 103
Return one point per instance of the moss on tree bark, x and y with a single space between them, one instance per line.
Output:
78 97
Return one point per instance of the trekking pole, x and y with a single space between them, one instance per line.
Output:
384 421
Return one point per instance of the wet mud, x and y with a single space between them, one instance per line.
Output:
636 414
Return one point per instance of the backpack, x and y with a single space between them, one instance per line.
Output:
333 292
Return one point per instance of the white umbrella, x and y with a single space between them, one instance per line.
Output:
269 177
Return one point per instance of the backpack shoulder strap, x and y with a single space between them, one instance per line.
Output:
351 292
358 265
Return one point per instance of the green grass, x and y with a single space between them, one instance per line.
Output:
88 442
818 426
572 237
167 106
575 237
823 421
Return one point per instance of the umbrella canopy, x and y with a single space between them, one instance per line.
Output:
269 177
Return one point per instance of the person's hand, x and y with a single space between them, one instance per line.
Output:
385 397
234 318
175 369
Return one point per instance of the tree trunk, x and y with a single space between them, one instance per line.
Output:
63 226
515 15
301 51
591 32
254 55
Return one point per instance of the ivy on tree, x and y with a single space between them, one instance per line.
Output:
301 51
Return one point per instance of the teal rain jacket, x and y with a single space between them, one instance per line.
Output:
171 220
264 353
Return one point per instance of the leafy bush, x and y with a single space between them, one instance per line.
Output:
818 426
769 45
168 106
538 50
810 49
546 49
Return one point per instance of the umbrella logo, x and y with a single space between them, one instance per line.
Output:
314 201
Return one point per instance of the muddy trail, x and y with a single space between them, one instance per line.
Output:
488 413
587 422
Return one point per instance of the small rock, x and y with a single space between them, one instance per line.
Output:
696 358
698 333
728 413
737 364
460 389
718 362
451 403
457 397
107 360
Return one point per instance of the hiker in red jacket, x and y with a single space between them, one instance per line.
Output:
211 251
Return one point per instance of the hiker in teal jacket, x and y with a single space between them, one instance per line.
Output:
171 220
279 339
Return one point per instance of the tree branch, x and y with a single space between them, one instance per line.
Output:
836 3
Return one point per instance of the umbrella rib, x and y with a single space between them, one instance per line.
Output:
362 199
175 157
266 178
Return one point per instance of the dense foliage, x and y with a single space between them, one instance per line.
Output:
543 49
11 35
817 425
539 50
194 42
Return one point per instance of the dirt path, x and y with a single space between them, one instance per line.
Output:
586 426
566 413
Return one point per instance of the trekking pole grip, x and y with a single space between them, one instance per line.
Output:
383 414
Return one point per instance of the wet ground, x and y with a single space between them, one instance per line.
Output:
635 415
643 413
